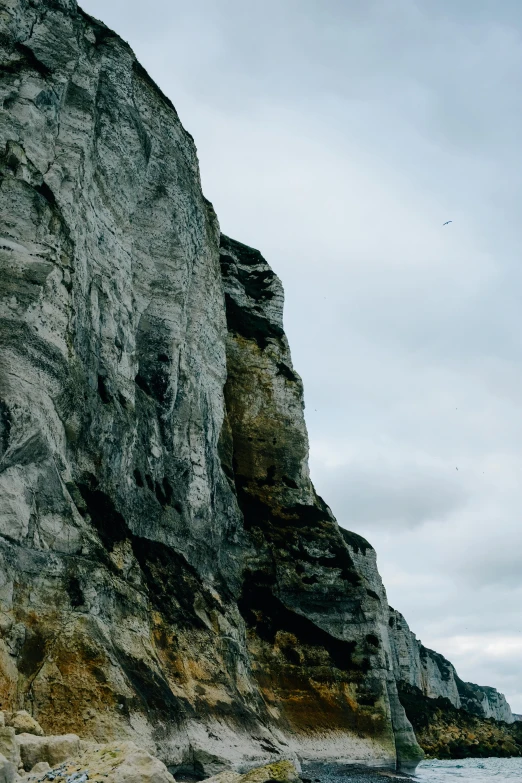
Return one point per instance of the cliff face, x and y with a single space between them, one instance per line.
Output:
167 572
312 599
434 676
447 732
121 536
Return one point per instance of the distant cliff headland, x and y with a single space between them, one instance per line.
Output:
168 574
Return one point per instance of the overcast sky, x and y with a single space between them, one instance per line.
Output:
337 136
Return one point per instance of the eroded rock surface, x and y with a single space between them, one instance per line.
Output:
9 747
278 772
117 762
436 677
8 771
312 598
23 723
53 750
447 732
168 574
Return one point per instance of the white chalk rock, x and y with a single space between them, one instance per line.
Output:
23 723
54 750
120 762
9 746
8 772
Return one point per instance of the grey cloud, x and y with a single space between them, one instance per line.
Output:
498 564
379 496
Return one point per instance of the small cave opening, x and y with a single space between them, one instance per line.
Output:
103 390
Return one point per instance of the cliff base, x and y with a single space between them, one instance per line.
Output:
445 732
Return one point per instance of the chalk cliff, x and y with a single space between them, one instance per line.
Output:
436 677
168 574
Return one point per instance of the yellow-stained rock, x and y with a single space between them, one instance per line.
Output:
282 771
23 723
117 762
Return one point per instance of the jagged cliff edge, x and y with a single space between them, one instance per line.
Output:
167 572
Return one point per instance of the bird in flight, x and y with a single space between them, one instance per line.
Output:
447 221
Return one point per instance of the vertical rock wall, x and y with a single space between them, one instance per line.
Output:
167 572
312 599
435 676
119 532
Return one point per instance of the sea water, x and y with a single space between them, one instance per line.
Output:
470 771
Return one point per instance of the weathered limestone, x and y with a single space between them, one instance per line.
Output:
317 635
53 749
23 723
168 574
224 777
9 747
8 771
280 771
435 676
119 532
119 762
39 768
124 762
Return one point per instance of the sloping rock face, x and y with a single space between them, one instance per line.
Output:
167 573
312 598
121 538
434 676
144 521
446 732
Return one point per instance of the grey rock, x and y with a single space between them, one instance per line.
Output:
9 745
40 767
8 771
435 676
23 723
168 574
53 749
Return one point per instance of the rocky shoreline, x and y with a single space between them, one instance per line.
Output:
26 754
445 732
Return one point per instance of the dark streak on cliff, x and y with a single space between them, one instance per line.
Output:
250 324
